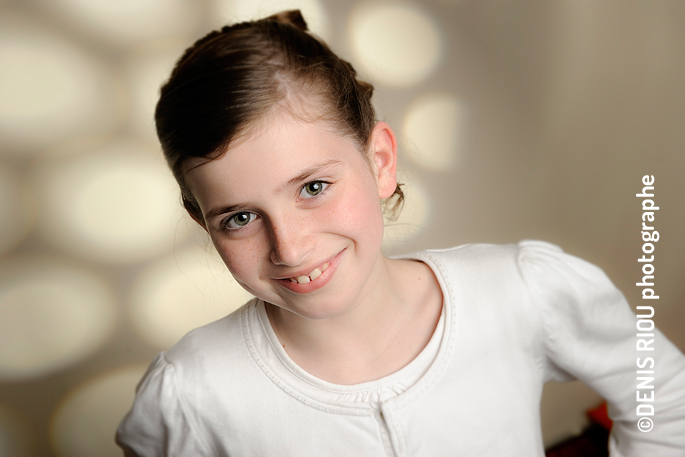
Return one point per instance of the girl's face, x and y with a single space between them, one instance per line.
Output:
295 213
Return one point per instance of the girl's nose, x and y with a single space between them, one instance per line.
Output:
291 243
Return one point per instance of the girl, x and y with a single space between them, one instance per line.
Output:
274 143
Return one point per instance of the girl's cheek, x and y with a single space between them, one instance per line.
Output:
358 217
240 256
358 209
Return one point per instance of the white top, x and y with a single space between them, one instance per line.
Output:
513 317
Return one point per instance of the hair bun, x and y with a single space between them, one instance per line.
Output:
292 17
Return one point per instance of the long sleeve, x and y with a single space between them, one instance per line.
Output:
158 424
590 335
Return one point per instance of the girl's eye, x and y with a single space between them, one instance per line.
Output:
312 189
239 220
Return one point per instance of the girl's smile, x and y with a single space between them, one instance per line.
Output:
315 279
295 212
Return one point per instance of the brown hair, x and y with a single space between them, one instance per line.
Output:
231 78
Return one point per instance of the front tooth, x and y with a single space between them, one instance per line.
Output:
315 274
324 266
303 279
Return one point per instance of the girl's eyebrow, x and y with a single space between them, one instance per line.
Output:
218 211
306 174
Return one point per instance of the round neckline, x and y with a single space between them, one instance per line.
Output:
282 369
429 351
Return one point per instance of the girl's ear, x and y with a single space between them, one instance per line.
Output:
383 153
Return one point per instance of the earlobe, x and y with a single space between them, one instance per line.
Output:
384 155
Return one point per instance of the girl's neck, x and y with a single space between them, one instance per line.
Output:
385 331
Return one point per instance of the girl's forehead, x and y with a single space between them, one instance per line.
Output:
272 154
287 140
292 129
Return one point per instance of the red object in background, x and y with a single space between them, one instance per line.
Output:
592 442
600 416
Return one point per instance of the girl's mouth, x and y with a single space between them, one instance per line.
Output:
311 276
315 279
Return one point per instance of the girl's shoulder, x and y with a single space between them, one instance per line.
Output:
531 277
221 341
528 259
203 374
525 249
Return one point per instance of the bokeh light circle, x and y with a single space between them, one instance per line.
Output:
397 44
52 315
16 437
113 203
187 290
49 88
127 22
16 209
229 12
412 220
435 126
84 423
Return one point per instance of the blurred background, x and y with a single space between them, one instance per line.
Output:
516 119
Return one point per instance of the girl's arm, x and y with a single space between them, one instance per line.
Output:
590 335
